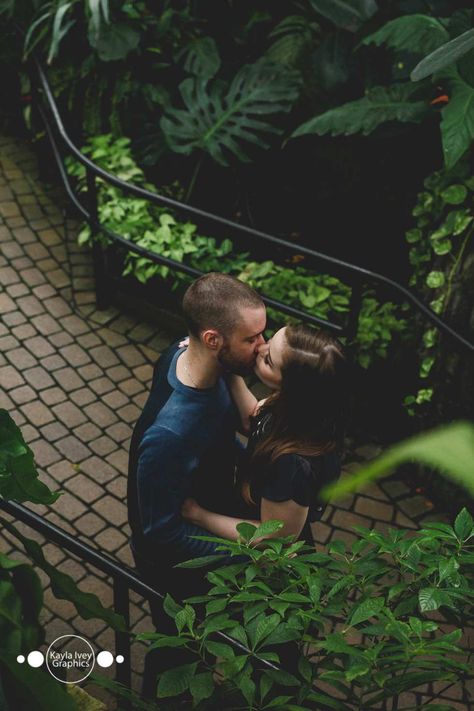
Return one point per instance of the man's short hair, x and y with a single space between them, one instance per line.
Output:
215 301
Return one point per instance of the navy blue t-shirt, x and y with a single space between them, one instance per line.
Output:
183 445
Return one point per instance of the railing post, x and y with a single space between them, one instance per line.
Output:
122 639
98 251
355 304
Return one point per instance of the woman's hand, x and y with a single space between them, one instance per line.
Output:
184 342
190 510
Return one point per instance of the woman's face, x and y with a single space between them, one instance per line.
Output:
270 359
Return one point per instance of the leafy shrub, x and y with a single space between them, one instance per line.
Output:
158 230
359 619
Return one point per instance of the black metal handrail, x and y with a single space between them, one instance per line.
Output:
359 274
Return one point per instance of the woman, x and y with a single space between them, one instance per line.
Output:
294 434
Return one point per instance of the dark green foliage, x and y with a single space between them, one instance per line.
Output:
359 618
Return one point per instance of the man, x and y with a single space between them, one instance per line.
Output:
184 442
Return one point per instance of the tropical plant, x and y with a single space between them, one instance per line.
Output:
159 230
352 627
447 44
21 592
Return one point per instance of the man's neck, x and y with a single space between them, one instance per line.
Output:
196 368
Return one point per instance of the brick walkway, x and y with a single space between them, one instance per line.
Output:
75 379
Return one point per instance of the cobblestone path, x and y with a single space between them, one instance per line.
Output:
75 379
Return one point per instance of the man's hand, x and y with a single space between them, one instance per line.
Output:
184 342
190 510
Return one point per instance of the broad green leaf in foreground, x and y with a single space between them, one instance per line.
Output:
381 104
348 14
444 56
18 476
449 449
64 587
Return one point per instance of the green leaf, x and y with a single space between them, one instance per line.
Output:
201 57
381 104
464 525
201 686
457 123
365 610
219 121
267 528
435 279
449 449
444 56
246 530
35 689
170 606
218 649
115 41
347 14
185 618
414 33
454 194
64 587
175 681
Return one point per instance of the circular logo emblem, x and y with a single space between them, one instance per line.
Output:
70 659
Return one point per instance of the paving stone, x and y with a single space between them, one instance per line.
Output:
374 509
118 373
87 432
111 338
57 307
88 340
52 396
6 304
144 373
119 432
22 394
70 507
104 356
68 379
46 325
39 346
73 449
37 413
62 471
54 431
11 250
8 276
89 524
403 521
69 414
114 511
44 291
83 396
74 325
90 372
31 276
38 378
131 356
414 506
102 385
100 414
83 487
102 445
118 487
115 399
98 470
9 378
75 355
8 343
119 460
61 339
140 400
30 433
394 488
53 362
24 331
17 290
50 237
14 318
347 520
44 453
129 413
131 387
111 539
36 251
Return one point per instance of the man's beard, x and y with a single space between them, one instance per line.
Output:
231 364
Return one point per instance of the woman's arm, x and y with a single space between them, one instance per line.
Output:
217 524
292 514
245 401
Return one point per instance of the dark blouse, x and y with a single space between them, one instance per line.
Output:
295 477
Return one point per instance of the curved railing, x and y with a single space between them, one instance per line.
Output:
357 276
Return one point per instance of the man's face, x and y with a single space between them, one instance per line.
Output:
239 351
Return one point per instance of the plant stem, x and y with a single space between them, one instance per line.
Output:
192 182
456 265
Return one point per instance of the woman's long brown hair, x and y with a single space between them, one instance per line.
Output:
307 413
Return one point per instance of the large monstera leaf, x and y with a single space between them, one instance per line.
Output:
219 119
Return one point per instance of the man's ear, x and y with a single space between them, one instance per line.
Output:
212 339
